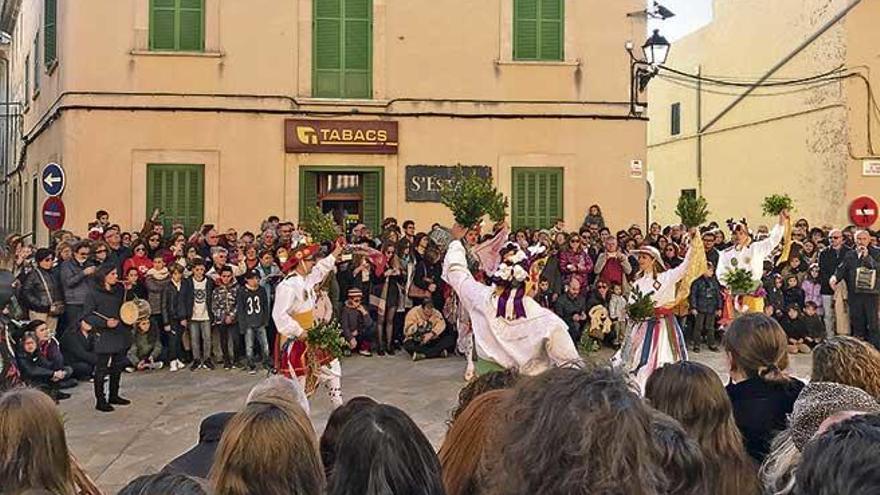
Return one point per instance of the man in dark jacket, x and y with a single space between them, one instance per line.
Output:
862 299
829 259
75 282
78 348
40 292
706 302
572 308
112 337
197 461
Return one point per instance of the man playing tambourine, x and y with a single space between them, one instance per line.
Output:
293 313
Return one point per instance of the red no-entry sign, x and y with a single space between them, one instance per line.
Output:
863 211
53 213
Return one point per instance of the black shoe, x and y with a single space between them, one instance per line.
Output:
227 366
195 365
209 364
714 348
696 349
119 401
104 407
59 395
381 352
390 351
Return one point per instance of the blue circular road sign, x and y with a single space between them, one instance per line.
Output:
53 179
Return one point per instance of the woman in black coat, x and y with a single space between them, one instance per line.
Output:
112 337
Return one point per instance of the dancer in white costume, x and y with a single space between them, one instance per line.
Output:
511 330
294 316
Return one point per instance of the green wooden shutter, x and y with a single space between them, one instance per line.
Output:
358 53
342 51
191 25
27 80
538 27
550 29
537 197
177 25
327 49
50 36
308 192
179 191
37 63
372 187
525 30
163 14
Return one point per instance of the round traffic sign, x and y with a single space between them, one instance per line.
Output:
53 179
53 213
863 211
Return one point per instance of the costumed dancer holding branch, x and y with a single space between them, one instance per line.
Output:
657 338
511 330
749 256
293 313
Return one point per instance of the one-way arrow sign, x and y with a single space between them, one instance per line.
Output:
53 179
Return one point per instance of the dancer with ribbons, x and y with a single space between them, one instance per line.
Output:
656 338
294 316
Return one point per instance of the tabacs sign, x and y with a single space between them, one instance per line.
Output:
425 182
340 136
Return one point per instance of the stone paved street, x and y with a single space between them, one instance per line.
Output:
164 420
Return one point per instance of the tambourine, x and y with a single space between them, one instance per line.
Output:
134 311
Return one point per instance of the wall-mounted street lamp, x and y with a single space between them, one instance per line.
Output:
655 52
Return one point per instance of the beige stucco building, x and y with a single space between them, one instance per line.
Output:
815 140
182 104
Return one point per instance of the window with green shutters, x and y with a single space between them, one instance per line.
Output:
177 25
50 32
536 201
342 48
27 80
179 191
538 27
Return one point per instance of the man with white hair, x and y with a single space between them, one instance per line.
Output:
859 268
279 388
829 259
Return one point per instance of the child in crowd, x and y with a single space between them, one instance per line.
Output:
174 317
37 371
223 299
796 330
814 323
357 325
617 313
146 348
793 294
706 302
253 316
813 289
776 295
155 281
195 293
545 296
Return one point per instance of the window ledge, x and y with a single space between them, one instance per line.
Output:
360 102
36 94
151 53
548 63
51 68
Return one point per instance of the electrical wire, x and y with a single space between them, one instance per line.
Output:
687 83
722 82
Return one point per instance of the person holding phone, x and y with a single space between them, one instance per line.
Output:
112 336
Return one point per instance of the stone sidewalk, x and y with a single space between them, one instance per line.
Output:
164 420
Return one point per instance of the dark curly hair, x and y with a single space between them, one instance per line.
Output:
845 459
496 380
571 431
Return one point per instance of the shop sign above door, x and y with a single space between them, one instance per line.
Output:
424 182
340 136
